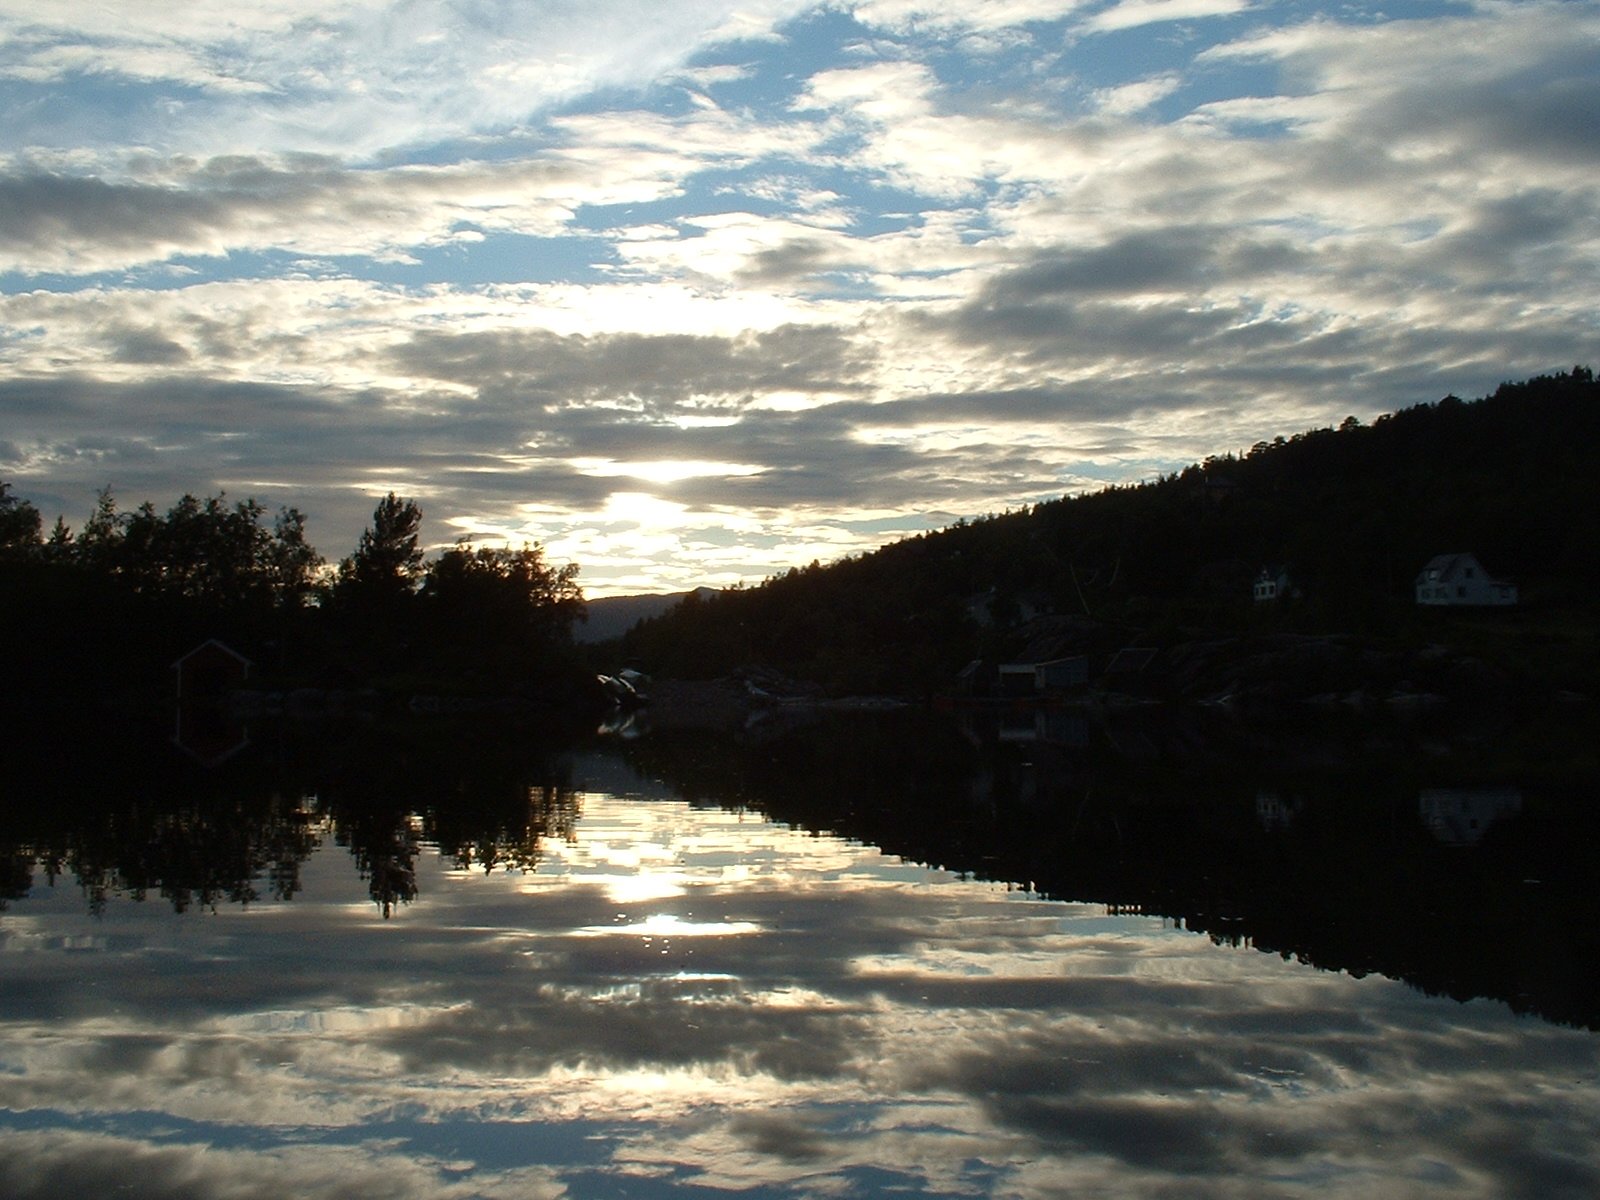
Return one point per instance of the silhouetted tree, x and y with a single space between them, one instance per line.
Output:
499 616
513 593
60 546
292 562
19 525
98 543
387 563
374 598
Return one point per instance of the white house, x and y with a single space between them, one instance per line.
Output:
1272 584
1459 579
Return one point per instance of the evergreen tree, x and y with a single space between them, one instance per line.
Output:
387 564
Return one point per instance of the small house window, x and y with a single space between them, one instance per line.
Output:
1469 572
1461 590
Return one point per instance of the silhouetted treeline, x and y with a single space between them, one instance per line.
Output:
106 610
1350 514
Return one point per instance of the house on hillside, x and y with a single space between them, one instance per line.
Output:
1461 581
1272 584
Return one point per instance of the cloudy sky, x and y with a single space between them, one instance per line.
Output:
691 293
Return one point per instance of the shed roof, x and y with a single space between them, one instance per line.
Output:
212 647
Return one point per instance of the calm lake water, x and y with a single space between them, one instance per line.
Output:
682 967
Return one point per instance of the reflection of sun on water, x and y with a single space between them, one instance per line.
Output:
670 925
636 889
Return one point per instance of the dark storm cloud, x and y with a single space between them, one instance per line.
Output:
46 213
1502 241
782 1135
1164 260
320 449
792 261
1074 305
1102 399
1548 111
146 347
82 223
1040 330
548 368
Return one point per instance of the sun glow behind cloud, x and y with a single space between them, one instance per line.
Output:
667 471
765 267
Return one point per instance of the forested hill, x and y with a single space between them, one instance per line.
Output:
1350 514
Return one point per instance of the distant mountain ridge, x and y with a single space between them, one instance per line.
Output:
612 616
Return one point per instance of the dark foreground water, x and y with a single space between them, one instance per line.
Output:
589 985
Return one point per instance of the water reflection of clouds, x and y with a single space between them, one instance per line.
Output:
749 1006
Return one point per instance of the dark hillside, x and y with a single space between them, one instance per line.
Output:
1350 514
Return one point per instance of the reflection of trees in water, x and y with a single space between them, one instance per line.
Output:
511 839
485 797
1336 867
469 829
191 852
137 821
1323 855
131 817
200 853
384 845
16 874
